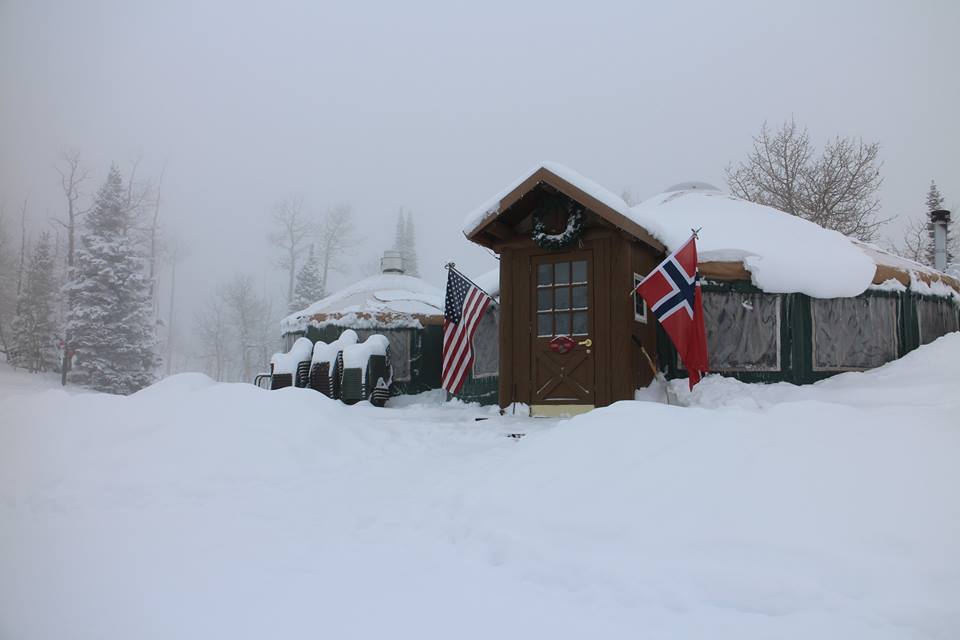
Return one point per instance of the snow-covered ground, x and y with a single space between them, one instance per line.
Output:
202 510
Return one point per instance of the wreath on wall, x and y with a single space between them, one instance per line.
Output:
576 215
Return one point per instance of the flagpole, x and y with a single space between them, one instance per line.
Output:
451 266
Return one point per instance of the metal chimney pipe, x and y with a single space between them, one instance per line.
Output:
940 219
391 262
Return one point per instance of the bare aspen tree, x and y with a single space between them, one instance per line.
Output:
291 234
173 252
334 236
915 241
72 177
7 296
249 318
154 240
21 264
210 326
836 188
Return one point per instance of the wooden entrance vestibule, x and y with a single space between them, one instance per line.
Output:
569 333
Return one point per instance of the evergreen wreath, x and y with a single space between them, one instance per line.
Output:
571 234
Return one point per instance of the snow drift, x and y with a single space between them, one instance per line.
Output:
195 510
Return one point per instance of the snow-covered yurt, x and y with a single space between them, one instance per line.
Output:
784 299
405 309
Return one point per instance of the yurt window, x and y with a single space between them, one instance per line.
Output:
639 304
486 344
743 331
936 317
853 333
399 350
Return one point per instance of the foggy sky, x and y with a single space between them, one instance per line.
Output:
435 107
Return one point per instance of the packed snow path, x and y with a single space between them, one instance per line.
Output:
202 510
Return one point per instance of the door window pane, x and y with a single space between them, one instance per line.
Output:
580 271
580 297
562 288
580 323
544 275
544 324
544 299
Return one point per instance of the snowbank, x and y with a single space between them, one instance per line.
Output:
195 509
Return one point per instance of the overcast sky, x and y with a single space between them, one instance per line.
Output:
435 107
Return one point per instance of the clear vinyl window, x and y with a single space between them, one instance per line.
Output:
853 333
743 330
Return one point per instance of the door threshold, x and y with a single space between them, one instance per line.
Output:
558 410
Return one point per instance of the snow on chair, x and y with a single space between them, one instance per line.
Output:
365 368
323 368
285 368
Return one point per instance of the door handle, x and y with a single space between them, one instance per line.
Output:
586 343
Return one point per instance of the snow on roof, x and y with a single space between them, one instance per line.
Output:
782 253
386 299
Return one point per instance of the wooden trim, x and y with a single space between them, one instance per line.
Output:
884 273
723 271
508 308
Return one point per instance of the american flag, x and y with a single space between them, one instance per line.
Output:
463 308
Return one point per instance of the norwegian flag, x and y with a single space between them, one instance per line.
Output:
672 292
464 306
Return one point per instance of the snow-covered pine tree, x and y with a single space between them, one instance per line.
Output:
34 334
309 287
400 238
934 197
934 203
411 264
110 316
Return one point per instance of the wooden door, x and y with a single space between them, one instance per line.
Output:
562 305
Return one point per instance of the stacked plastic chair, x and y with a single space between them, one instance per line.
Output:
285 368
324 372
363 367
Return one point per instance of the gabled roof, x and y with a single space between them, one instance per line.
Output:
604 203
776 251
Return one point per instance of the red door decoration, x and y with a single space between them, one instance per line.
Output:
562 344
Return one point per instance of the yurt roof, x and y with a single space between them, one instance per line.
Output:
383 301
738 239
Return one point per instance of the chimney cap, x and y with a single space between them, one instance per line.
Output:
940 215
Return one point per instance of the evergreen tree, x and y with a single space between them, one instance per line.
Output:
309 286
110 316
934 198
33 343
411 264
400 238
